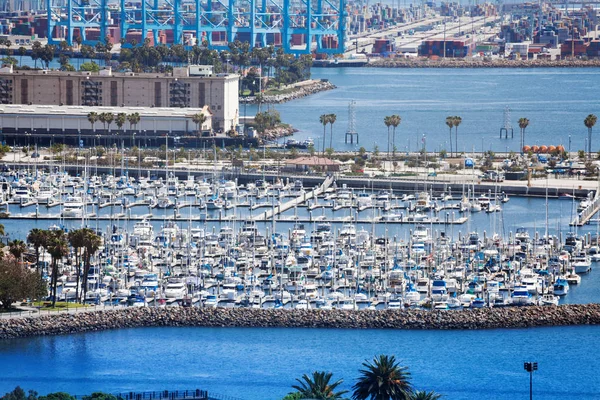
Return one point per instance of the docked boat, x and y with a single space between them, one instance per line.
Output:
561 287
73 207
581 263
175 290
549 300
521 296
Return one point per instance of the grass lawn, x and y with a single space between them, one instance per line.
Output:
60 305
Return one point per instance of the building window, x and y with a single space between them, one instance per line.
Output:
24 91
6 89
69 99
114 100
91 93
157 94
179 94
201 94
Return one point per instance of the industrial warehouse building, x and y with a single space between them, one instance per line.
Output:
194 86
69 124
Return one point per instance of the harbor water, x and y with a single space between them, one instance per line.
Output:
263 363
555 100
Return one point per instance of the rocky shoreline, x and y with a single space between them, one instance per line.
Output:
512 317
480 63
298 90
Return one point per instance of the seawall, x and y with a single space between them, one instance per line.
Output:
295 91
511 317
480 63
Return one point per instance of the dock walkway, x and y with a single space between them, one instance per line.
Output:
584 216
281 208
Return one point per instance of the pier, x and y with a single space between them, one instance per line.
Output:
269 214
584 216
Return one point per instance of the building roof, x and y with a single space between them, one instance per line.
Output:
312 161
145 112
108 73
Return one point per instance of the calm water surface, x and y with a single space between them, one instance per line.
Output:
263 363
556 101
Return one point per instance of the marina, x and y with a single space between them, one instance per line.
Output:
206 241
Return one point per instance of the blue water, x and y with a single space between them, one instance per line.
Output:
263 363
556 101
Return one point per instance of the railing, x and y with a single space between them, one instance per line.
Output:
194 394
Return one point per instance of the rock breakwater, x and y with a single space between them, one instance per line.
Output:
522 317
292 92
481 63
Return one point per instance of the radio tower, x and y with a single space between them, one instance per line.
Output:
507 125
351 122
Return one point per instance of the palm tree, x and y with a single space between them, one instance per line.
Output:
523 124
589 123
134 119
395 121
332 118
58 247
91 244
93 118
423 395
106 118
17 248
383 379
77 241
120 120
456 120
450 124
198 119
388 122
319 387
37 238
324 119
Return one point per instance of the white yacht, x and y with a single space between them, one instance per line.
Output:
175 290
45 195
73 207
581 263
21 194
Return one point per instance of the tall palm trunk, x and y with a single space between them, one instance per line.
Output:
590 143
388 142
324 138
456 139
54 280
450 141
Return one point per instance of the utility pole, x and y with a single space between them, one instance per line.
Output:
530 367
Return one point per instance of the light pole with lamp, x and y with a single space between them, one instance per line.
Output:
530 367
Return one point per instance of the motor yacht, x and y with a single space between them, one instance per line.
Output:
73 207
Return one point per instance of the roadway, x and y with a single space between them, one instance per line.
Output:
366 39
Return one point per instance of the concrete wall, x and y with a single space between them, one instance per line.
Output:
220 92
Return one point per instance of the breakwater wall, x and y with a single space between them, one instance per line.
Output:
479 63
297 91
510 317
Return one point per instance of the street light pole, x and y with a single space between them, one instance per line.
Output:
530 367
